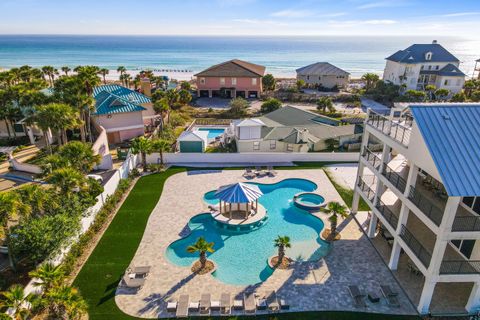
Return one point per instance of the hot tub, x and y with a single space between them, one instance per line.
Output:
309 201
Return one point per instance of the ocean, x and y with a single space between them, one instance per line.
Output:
280 54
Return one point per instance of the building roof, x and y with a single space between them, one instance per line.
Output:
193 136
449 70
253 122
125 93
322 68
416 53
451 133
239 193
109 103
233 68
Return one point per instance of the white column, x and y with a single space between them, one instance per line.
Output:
411 178
426 297
395 255
49 136
473 304
361 167
372 227
30 135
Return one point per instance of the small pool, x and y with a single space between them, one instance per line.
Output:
309 201
241 253
212 132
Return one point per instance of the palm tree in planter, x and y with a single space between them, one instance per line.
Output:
49 276
202 247
334 209
161 146
281 243
15 299
143 146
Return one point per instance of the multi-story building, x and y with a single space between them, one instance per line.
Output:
424 193
323 75
421 65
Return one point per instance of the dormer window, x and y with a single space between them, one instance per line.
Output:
428 56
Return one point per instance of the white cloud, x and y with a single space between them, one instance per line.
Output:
353 23
260 22
292 13
460 14
382 4
381 21
229 3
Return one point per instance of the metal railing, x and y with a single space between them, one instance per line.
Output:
422 254
426 206
372 158
366 190
466 223
388 214
398 181
379 121
397 131
460 267
400 133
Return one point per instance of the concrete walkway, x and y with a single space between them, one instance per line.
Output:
307 286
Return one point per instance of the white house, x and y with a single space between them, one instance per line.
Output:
193 141
423 191
323 74
424 64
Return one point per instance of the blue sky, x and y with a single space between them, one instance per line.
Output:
242 17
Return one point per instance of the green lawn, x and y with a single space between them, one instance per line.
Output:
347 194
101 273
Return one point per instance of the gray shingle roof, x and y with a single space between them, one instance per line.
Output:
323 69
416 54
449 70
233 68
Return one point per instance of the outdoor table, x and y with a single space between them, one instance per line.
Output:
373 297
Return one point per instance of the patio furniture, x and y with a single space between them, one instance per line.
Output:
271 172
373 297
284 305
261 303
249 173
238 304
225 304
272 301
132 282
390 295
205 303
357 296
260 172
249 303
194 306
182 307
171 306
215 305
142 271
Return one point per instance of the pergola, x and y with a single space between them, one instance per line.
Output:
244 196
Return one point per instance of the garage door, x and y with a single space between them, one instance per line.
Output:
191 146
253 94
204 93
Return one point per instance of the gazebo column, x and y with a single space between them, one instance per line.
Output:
220 205
256 205
230 210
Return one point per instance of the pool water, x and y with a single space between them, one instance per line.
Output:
311 199
212 132
241 257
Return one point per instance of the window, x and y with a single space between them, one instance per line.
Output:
222 81
428 56
234 81
446 83
437 67
202 80
254 81
472 203
422 67
308 77
256 145
464 246
289 147
273 145
468 201
429 67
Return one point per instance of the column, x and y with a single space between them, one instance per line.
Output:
473 304
30 135
210 93
395 255
361 167
426 297
372 227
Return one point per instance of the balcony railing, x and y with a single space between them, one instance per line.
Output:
397 131
379 121
460 267
466 223
366 190
400 133
398 181
422 254
426 206
388 214
372 158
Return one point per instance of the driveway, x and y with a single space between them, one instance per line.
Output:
220 103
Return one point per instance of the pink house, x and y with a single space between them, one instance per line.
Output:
231 79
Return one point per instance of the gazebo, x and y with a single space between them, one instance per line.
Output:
243 196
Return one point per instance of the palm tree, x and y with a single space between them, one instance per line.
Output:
49 276
161 146
143 146
324 103
201 246
66 70
88 77
161 107
281 243
37 198
65 302
335 209
104 73
442 94
66 180
122 70
16 299
184 97
430 89
370 80
49 72
79 155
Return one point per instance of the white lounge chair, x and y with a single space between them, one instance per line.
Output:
249 303
205 303
225 304
171 306
133 283
238 304
271 172
272 301
141 271
182 307
390 295
249 173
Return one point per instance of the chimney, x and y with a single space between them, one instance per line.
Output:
146 87
434 42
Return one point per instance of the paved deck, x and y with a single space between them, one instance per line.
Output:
307 286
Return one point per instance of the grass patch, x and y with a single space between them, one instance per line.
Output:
347 194
101 273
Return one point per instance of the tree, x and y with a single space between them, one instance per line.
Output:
202 247
49 276
324 103
335 209
442 94
143 146
414 96
88 78
459 97
65 302
184 85
184 97
161 107
11 208
67 180
300 84
238 107
371 80
66 70
103 72
268 82
161 146
121 69
430 89
16 299
79 155
271 104
49 72
469 87
172 98
475 96
281 243
37 199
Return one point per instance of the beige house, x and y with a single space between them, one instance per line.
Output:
323 74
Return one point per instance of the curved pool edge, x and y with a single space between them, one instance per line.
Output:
311 208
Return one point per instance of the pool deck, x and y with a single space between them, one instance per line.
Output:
307 286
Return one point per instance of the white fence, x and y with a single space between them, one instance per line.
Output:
200 159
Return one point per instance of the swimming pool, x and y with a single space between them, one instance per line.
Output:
241 257
212 132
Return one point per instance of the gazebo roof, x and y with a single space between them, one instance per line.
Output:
238 193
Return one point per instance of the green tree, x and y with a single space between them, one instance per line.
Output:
238 107
67 180
430 89
371 80
48 275
282 242
184 85
16 299
66 70
414 96
459 97
184 97
324 103
162 108
268 82
103 72
469 87
88 78
12 208
161 146
79 155
442 94
37 199
271 104
475 96
65 302
172 98
300 84
121 69
335 209
202 247
143 146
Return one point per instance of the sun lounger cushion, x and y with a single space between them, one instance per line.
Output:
215 305
238 304
172 306
284 304
193 306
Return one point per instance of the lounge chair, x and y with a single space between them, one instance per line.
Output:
261 303
284 305
238 304
357 296
133 283
171 306
390 295
205 303
272 301
271 172
194 306
249 173
225 304
260 172
249 303
142 271
215 305
182 307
